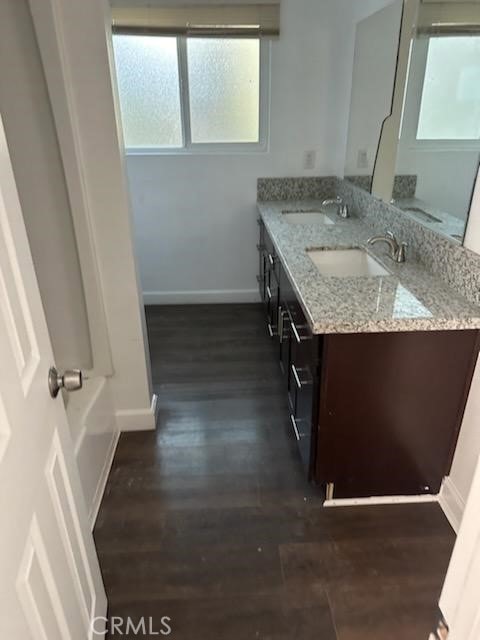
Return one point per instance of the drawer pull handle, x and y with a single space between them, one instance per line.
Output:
294 425
271 331
271 259
269 292
281 317
300 383
295 375
298 337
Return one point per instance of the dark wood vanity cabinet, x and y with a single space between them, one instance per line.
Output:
299 357
299 350
391 407
373 413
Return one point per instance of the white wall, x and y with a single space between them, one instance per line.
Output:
376 49
195 218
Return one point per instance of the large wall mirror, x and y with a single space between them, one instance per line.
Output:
374 70
428 154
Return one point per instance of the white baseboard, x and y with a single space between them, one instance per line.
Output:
102 483
375 500
452 503
201 297
138 419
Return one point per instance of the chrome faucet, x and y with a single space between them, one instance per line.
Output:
342 210
398 250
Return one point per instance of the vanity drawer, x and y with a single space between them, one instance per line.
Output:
302 394
302 383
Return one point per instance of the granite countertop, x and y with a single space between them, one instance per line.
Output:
410 299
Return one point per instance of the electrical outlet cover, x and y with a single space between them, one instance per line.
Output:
310 160
362 159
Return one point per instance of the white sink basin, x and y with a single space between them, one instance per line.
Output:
306 217
346 263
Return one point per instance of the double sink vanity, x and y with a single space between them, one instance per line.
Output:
377 352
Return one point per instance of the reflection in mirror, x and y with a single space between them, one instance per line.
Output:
375 61
439 142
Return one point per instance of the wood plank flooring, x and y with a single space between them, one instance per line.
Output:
210 520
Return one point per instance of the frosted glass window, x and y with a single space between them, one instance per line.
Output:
185 93
450 107
224 88
149 88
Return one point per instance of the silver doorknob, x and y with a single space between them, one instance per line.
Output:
71 380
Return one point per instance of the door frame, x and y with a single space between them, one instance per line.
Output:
472 233
47 19
74 39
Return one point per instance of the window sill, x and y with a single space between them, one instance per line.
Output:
443 145
199 150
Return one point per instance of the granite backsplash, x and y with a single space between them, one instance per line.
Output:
277 189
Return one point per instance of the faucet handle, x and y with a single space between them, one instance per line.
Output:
402 252
396 244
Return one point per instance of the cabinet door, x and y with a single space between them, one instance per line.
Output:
390 410
272 302
284 338
272 258
284 331
262 263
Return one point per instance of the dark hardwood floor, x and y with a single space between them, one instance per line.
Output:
210 520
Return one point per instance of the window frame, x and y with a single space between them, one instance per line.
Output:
195 148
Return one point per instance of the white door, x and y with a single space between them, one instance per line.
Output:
50 582
459 602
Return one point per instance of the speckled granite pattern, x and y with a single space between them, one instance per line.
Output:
404 186
269 189
410 299
458 267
